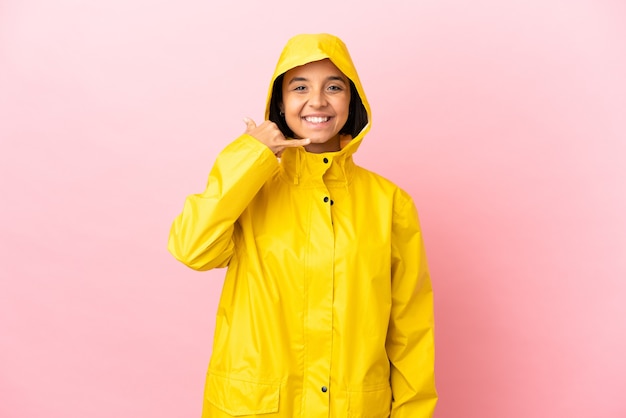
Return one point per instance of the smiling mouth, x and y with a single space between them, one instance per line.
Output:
316 119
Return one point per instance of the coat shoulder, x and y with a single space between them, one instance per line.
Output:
370 178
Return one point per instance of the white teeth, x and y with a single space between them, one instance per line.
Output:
316 119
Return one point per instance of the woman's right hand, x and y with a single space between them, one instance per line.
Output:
269 134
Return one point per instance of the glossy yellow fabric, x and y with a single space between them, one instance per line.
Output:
326 309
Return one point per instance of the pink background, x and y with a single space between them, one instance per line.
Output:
506 120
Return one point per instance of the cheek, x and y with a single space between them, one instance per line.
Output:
291 106
345 107
344 102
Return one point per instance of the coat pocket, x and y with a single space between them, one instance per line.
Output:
239 397
370 402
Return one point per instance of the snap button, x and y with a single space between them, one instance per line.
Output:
325 160
332 202
324 389
325 198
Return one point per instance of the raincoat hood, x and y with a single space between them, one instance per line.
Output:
305 48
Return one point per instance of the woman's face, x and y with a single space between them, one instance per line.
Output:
316 101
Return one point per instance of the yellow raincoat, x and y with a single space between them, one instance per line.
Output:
326 309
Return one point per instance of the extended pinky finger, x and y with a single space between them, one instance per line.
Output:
296 142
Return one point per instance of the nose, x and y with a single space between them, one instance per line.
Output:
317 99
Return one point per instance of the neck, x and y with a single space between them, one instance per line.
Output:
332 145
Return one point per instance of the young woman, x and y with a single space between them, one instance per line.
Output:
326 309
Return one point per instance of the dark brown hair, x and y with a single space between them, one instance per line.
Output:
357 117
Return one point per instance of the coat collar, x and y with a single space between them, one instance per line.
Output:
303 168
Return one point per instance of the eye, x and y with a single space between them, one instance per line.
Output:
299 88
335 88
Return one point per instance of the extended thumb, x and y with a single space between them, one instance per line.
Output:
249 124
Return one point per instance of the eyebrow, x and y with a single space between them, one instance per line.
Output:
330 78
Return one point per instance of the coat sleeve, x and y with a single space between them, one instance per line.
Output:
410 338
201 236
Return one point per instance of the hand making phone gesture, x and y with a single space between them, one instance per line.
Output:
269 134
